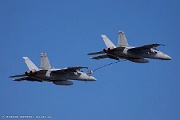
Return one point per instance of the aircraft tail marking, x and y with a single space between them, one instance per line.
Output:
122 41
30 64
108 42
45 64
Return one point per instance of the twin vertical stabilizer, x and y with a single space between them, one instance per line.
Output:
30 64
122 41
45 65
108 42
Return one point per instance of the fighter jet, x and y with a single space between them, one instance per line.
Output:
49 74
124 51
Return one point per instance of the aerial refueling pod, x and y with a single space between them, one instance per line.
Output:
63 82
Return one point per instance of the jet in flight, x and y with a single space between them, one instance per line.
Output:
49 74
124 51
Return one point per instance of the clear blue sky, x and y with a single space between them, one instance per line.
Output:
67 30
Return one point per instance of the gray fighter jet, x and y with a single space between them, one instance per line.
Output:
124 51
49 74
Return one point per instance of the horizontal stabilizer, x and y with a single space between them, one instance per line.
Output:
18 80
21 79
100 57
95 53
26 78
14 76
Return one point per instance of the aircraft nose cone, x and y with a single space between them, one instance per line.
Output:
91 78
167 57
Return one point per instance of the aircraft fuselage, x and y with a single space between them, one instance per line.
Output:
45 76
127 53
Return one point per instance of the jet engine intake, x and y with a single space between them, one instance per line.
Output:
63 83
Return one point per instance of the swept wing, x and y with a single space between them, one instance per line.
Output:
68 69
147 46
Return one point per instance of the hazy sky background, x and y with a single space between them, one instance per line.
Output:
69 29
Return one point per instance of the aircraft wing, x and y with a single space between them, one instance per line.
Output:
147 46
68 69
